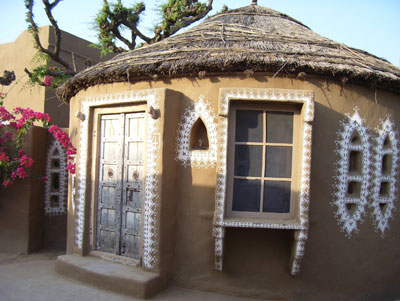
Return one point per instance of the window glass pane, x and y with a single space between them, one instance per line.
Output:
249 126
248 160
278 161
276 197
280 127
246 195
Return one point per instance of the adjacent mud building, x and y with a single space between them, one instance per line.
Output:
247 155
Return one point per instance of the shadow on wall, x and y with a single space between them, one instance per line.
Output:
22 204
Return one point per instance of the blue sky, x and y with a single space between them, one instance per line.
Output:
370 25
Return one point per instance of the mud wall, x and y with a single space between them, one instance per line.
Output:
364 265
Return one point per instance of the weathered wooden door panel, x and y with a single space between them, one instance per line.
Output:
120 184
109 184
132 184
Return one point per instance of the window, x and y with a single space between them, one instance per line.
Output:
263 155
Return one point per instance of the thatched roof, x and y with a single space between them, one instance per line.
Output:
249 39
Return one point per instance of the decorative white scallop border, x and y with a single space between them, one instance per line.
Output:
381 219
348 221
263 95
152 185
63 180
200 158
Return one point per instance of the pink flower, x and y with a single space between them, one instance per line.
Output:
25 161
4 157
7 183
21 172
5 115
45 179
48 80
8 135
71 168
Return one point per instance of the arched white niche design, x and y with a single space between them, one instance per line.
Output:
205 152
352 173
57 180
384 172
304 99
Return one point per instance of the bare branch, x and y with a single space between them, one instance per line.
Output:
57 32
54 3
55 55
33 26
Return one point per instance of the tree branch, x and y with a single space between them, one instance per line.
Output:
35 31
177 15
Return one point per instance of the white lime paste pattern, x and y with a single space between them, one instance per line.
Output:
150 214
382 206
56 153
199 158
263 95
352 126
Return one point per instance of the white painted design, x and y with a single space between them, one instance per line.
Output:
200 158
150 213
219 234
56 153
263 95
352 127
73 185
262 225
300 238
382 204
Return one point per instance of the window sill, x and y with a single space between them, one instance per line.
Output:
264 223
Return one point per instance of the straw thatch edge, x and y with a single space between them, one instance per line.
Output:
226 43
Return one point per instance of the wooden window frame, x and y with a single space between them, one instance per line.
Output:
296 157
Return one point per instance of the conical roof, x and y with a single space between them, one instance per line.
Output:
251 38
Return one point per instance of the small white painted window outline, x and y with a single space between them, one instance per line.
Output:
200 111
57 180
353 174
384 171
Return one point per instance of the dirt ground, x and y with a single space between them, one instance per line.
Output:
32 277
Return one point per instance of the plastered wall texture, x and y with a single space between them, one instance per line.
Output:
255 261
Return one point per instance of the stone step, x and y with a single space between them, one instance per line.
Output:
126 280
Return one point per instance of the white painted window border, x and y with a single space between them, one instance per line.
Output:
152 186
347 221
264 95
381 220
197 158
63 180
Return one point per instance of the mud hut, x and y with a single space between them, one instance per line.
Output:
247 155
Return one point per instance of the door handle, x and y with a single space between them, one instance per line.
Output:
130 190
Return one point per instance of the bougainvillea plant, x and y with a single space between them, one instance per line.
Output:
13 128
46 75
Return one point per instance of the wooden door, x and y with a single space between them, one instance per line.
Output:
120 184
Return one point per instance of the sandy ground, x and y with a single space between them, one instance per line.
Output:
32 277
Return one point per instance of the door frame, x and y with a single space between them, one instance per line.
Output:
81 183
97 113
